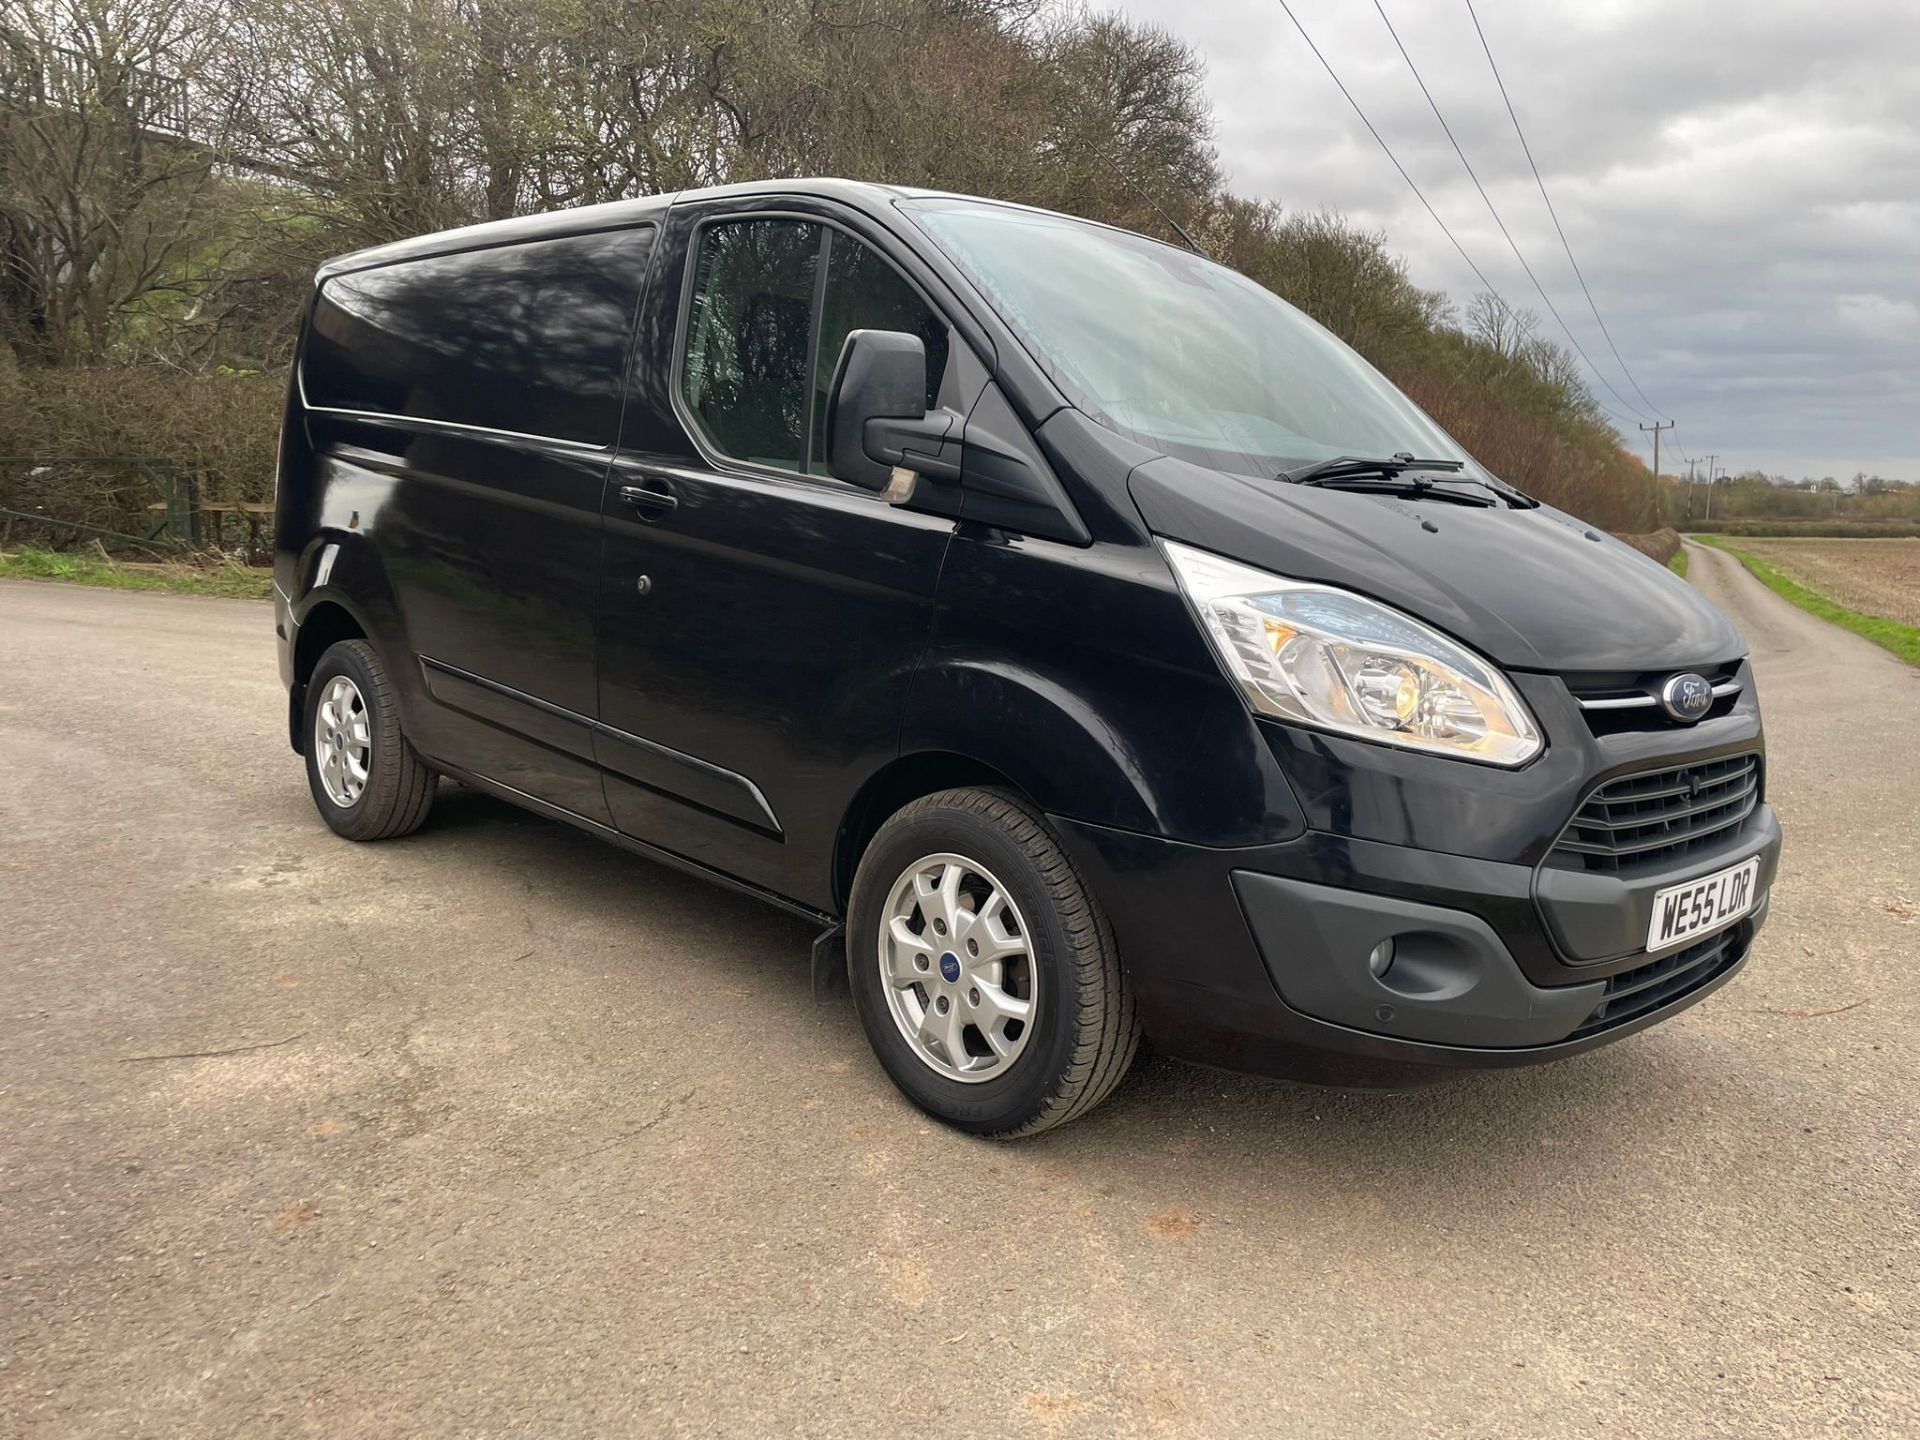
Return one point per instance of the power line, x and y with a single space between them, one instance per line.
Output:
1681 444
1555 214
1683 447
1492 210
1486 283
1625 422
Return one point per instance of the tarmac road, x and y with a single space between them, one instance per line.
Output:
515 1133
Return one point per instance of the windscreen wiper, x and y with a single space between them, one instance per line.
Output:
1402 474
1323 472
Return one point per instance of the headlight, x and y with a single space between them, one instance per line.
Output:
1339 661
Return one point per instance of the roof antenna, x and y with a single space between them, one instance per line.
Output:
1134 186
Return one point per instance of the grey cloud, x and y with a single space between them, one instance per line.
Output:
1741 183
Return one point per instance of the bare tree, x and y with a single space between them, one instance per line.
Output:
1505 331
109 146
1131 128
361 103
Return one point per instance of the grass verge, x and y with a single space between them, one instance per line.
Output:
1902 640
1678 564
236 581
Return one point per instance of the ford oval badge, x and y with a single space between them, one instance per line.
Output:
1687 698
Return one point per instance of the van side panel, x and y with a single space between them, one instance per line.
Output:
461 411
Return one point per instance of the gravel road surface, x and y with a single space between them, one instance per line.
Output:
496 1130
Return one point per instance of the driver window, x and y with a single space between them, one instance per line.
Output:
749 337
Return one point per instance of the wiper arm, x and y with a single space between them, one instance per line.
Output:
1401 474
1345 466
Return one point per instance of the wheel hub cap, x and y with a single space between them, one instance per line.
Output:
956 965
342 741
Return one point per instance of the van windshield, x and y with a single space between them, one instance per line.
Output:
1182 354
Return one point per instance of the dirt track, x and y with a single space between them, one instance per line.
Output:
538 1138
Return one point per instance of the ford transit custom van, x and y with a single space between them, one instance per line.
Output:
1092 645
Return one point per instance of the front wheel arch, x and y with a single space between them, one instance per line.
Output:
892 788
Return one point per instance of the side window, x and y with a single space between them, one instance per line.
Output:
864 292
528 337
749 336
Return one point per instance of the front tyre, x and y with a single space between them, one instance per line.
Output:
366 780
984 973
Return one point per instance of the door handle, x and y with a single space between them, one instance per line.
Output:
655 500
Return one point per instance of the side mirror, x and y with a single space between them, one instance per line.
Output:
877 417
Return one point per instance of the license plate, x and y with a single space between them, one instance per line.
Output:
1699 907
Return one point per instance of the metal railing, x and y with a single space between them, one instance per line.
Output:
177 513
61 77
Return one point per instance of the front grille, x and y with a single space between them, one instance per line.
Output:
1617 702
1633 993
1650 821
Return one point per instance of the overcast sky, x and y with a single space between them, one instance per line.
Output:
1740 180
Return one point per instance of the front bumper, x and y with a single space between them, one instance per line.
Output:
1257 959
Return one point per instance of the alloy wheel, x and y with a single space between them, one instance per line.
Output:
957 968
343 741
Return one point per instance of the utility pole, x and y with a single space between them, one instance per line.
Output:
1710 460
1656 429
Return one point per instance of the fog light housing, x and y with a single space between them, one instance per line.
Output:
1381 959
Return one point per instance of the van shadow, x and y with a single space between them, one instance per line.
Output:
579 875
1465 1139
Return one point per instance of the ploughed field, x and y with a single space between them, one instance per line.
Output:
1875 577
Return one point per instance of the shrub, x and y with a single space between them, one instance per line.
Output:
222 426
1661 545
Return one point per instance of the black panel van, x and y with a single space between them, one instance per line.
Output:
1093 645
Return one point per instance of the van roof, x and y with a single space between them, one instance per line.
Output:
608 215
613 214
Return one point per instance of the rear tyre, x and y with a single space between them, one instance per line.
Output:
984 973
367 782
